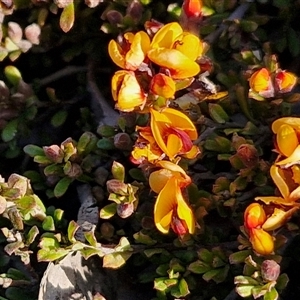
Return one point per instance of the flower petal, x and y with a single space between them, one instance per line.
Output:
293 122
286 139
254 216
166 35
138 49
278 218
262 242
294 158
279 179
158 179
115 53
165 203
179 65
189 45
163 85
285 81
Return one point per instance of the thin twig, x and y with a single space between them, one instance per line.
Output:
236 15
67 71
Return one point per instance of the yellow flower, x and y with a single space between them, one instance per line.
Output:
173 131
287 131
261 83
158 179
171 210
145 147
131 52
175 50
285 81
127 91
163 85
254 216
262 242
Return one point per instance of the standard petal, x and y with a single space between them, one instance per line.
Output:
260 80
158 179
293 122
181 121
116 54
166 36
179 65
286 139
189 45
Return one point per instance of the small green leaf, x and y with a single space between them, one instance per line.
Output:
53 169
42 159
33 150
13 75
48 224
271 295
245 280
116 260
106 131
90 237
118 171
67 18
244 290
72 228
88 252
17 293
58 215
217 113
51 254
248 26
108 211
59 118
10 130
239 257
106 144
62 186
199 267
205 255
86 143
32 234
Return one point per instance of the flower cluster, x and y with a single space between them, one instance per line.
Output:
277 210
155 65
153 70
265 84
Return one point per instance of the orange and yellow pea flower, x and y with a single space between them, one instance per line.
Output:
287 132
174 132
175 50
262 242
130 53
145 148
261 83
171 210
254 218
267 85
163 85
127 92
192 8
